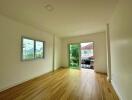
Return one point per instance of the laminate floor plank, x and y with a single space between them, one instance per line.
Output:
63 84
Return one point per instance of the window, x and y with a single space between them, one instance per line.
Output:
32 49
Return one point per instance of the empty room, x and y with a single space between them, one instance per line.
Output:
65 49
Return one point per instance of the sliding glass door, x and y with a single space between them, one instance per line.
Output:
74 55
81 55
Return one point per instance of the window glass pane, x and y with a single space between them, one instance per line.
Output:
28 49
39 49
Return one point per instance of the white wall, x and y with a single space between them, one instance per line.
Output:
99 40
121 49
12 69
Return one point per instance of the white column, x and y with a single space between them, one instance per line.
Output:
108 53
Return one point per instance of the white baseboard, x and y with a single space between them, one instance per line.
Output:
116 90
100 72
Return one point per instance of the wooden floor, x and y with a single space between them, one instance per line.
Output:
63 84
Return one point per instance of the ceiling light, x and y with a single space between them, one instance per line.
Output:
49 7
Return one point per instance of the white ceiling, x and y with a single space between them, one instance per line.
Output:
68 17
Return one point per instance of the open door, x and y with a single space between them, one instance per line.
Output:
87 55
74 52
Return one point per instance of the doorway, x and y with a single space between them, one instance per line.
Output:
74 52
81 55
87 55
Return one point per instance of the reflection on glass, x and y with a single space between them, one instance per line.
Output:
39 49
28 49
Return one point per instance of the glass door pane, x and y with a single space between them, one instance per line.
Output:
74 51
